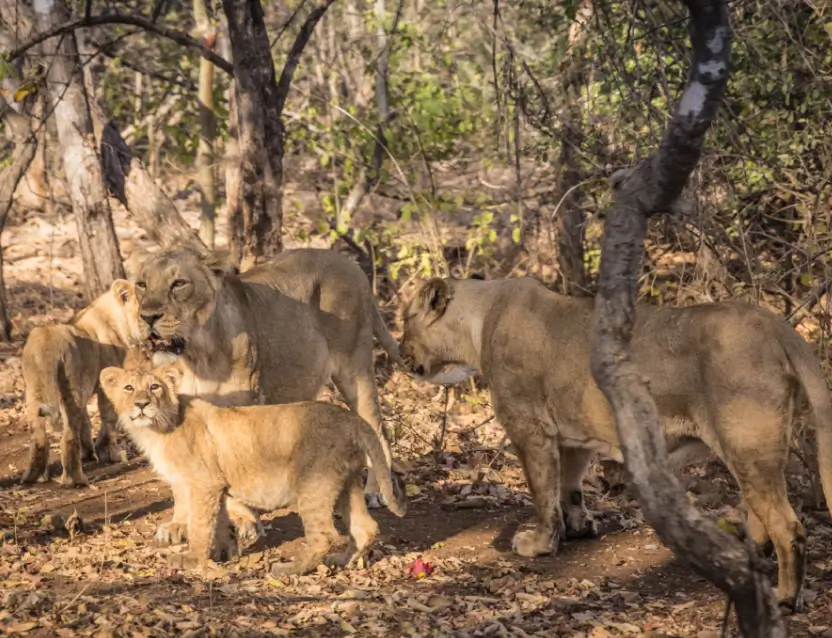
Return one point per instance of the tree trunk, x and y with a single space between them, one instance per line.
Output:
96 235
259 102
207 127
233 171
260 131
652 187
132 185
570 218
10 177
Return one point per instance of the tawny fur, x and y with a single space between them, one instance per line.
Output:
308 455
729 374
61 364
275 334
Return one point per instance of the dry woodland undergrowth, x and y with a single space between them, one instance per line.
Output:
83 562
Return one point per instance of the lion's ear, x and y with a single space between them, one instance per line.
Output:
172 375
109 380
136 260
434 295
220 263
123 290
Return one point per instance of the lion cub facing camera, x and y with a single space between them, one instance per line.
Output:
308 455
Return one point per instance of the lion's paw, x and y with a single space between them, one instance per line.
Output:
225 550
171 533
579 523
109 454
248 531
38 466
374 500
280 570
69 481
531 543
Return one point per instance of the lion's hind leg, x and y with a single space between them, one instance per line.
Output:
76 428
754 439
38 465
316 501
358 386
362 527
577 519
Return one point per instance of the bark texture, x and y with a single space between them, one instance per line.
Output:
259 101
570 218
207 127
24 154
128 180
260 133
653 187
65 82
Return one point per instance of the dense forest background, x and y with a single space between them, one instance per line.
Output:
460 137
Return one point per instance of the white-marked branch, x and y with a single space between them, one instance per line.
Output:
649 188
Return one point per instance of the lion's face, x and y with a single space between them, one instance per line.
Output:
176 291
428 342
144 398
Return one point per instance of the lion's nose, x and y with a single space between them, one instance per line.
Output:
150 319
418 370
142 404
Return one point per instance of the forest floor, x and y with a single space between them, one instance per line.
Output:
83 562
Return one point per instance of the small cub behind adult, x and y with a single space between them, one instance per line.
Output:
308 455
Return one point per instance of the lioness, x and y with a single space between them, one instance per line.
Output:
727 374
309 455
275 334
61 364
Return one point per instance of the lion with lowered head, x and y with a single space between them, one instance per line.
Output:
307 455
61 364
729 375
274 334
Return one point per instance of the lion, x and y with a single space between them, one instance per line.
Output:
727 375
61 364
274 334
307 455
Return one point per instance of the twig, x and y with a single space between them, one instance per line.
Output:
293 59
137 21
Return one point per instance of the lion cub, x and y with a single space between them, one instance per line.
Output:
309 455
61 364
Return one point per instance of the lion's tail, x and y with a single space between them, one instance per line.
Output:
813 382
392 487
382 334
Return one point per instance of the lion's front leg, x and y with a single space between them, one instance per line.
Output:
577 519
245 520
540 457
176 531
209 536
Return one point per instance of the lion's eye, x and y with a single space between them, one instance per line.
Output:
154 387
141 284
178 284
128 388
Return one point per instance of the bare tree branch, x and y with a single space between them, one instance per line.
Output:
292 61
137 21
653 187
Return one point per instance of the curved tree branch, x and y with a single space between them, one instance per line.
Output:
653 187
137 21
296 51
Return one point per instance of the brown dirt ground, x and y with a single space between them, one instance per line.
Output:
105 577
